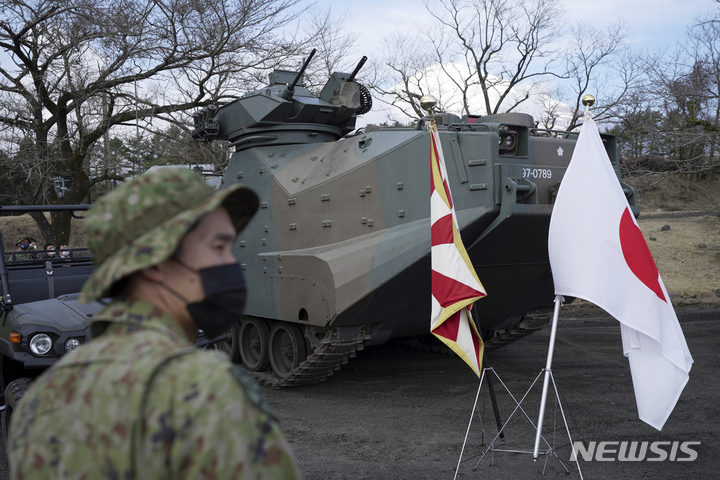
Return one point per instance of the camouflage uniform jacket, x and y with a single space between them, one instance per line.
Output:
20 255
141 402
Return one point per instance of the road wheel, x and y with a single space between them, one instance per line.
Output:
230 346
287 348
13 393
254 341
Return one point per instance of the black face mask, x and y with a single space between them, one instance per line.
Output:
224 301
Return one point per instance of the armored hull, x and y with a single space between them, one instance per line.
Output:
338 255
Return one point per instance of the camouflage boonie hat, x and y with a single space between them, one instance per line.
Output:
21 238
141 223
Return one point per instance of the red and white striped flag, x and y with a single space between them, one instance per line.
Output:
598 253
455 285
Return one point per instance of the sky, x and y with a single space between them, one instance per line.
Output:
652 24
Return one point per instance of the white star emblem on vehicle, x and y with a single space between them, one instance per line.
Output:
560 151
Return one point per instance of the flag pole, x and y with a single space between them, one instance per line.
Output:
588 101
558 302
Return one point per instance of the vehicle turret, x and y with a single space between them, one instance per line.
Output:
285 112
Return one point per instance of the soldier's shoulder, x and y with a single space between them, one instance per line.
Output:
252 390
214 375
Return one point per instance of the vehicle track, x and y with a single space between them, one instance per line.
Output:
330 356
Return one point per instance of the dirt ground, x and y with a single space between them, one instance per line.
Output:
12 227
396 413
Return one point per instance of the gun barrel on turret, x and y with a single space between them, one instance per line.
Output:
357 68
288 92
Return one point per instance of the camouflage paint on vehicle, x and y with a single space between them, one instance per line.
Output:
340 244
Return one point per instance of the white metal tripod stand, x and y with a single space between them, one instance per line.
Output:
518 407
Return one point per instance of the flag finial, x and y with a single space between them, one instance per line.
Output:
588 101
428 102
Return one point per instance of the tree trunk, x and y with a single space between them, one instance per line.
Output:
44 225
61 226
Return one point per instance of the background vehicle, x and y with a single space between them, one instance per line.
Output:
41 316
338 255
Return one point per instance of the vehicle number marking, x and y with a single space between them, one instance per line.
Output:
537 173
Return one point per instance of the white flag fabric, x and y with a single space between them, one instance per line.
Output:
598 253
455 285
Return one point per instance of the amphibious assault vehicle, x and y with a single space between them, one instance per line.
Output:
338 255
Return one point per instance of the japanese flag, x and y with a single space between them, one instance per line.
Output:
598 253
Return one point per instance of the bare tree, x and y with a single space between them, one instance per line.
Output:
493 56
598 63
672 126
704 39
326 31
407 65
78 68
496 50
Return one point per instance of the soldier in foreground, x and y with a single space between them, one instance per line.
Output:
140 401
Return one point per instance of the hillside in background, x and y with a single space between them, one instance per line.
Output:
680 220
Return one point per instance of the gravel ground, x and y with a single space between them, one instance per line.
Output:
396 413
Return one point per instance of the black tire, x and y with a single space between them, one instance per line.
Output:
254 341
230 346
13 393
287 348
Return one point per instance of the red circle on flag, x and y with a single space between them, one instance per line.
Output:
637 254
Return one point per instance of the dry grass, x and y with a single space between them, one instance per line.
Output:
689 272
12 227
676 194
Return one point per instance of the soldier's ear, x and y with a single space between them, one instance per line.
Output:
152 274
